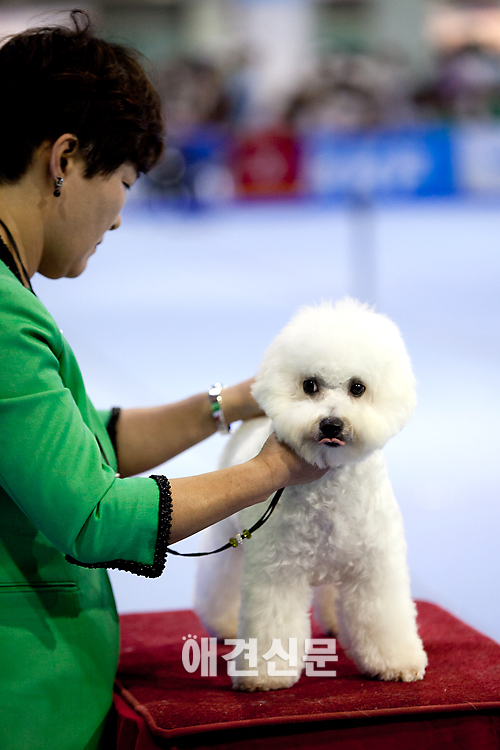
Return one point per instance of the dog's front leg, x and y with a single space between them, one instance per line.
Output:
275 612
377 624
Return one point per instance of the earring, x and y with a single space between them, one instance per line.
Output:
58 182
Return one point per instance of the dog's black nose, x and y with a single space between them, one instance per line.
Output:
331 428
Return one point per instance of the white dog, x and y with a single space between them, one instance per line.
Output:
337 384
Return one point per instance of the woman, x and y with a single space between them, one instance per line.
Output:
80 122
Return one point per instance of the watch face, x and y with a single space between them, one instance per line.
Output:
215 391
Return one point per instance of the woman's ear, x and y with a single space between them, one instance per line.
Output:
64 152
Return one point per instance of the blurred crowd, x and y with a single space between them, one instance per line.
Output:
466 87
347 91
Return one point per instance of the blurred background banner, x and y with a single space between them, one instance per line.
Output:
207 166
407 162
315 148
477 159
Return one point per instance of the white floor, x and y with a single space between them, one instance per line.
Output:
173 302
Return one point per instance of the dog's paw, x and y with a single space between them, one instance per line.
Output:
405 663
263 683
409 670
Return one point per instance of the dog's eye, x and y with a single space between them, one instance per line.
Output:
357 389
310 386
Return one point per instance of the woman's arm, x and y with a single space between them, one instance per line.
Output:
203 500
150 436
52 473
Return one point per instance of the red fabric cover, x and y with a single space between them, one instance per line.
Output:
463 676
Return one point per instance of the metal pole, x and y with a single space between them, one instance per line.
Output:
362 256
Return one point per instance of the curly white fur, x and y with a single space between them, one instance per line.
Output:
336 384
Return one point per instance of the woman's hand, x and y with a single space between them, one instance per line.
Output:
204 499
285 466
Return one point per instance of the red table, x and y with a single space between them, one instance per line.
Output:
159 704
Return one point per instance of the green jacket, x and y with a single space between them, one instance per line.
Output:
60 501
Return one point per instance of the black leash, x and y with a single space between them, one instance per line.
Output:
239 538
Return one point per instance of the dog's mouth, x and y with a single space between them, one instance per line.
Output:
331 442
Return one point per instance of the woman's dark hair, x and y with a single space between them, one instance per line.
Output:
57 80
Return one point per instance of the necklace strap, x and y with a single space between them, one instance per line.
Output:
16 250
7 258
